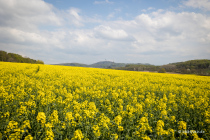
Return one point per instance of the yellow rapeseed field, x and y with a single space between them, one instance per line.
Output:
60 102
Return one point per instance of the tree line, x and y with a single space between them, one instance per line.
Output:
194 64
199 67
13 57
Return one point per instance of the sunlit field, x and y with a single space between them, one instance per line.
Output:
60 102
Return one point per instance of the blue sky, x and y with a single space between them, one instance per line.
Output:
87 31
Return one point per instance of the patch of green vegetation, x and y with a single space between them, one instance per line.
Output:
13 57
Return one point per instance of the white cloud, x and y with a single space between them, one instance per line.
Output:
19 36
103 2
73 17
171 34
26 14
109 33
174 24
148 9
148 37
201 4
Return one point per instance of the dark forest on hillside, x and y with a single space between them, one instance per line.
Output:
12 57
199 67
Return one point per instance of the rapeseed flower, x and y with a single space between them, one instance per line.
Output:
159 128
182 125
54 117
118 120
11 126
41 118
49 134
120 128
106 104
115 136
96 131
78 135
29 137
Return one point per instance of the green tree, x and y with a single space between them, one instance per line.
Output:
162 70
12 57
39 62
3 56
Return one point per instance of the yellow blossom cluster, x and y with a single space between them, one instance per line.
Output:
73 103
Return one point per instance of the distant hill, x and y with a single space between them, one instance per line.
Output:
199 67
139 67
107 64
193 64
101 64
13 57
73 64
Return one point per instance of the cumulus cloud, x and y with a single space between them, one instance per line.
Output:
201 4
19 36
109 33
26 14
164 33
172 31
149 37
20 23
